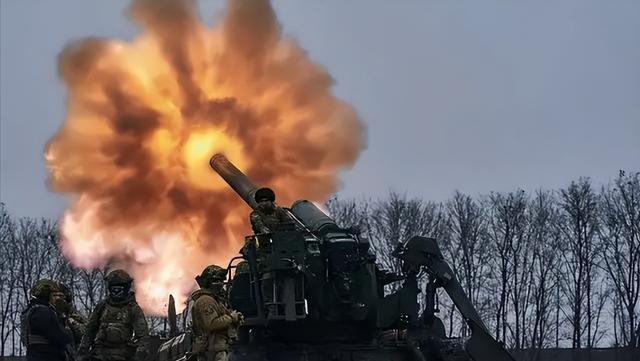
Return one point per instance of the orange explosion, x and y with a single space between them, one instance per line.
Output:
145 116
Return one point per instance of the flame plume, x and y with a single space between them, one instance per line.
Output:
143 118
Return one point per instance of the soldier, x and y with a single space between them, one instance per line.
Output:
267 216
214 323
76 323
117 329
41 330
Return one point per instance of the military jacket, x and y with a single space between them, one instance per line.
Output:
116 331
211 321
43 333
77 324
266 222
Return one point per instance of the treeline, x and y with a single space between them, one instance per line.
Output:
550 268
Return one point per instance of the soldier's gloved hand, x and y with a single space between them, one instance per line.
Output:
237 317
234 316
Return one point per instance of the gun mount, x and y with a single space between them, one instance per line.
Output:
309 268
311 290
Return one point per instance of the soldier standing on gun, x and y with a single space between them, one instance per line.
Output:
265 219
73 319
214 324
117 329
267 215
41 330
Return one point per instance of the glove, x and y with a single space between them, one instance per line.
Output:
238 318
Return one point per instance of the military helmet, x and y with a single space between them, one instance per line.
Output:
211 274
118 277
43 288
265 194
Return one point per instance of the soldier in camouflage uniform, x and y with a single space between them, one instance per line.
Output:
267 216
41 330
76 323
214 323
117 329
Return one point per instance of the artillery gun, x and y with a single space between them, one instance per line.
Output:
311 290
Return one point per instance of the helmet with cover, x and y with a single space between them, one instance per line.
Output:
118 277
44 288
211 274
118 284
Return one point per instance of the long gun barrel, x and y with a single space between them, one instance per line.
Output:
235 178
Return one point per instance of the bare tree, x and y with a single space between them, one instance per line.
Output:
90 288
579 227
467 251
507 231
396 219
545 237
7 281
37 252
620 234
350 212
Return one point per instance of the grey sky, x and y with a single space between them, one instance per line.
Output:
468 95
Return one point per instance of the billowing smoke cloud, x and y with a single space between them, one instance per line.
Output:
144 117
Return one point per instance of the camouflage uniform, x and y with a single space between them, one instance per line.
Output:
41 330
214 323
266 221
78 326
267 216
117 329
76 323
